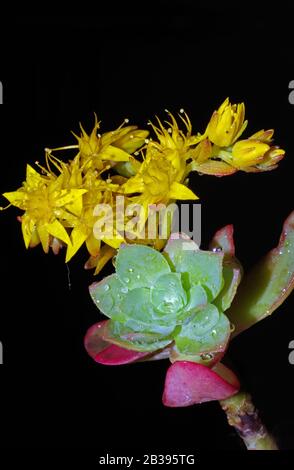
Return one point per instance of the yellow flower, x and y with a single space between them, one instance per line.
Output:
98 192
114 146
226 124
248 152
158 182
173 138
255 154
47 208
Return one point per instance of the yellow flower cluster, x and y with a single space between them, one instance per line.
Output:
221 153
59 200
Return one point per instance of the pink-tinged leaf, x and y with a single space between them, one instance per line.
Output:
232 270
114 356
227 374
106 353
267 285
188 383
223 239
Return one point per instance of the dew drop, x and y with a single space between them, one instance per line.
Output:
138 276
206 356
146 141
280 252
97 301
169 130
232 327
213 332
106 287
99 135
217 249
126 280
130 270
124 290
284 290
182 110
126 120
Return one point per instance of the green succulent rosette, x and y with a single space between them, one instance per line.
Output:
172 301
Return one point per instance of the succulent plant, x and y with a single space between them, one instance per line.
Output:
171 304
172 301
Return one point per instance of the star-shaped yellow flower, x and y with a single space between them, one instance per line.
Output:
47 208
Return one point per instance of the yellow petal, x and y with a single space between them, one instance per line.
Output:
134 185
115 154
115 241
106 253
202 152
69 196
44 237
27 227
93 245
33 178
264 136
16 198
132 140
35 239
78 236
57 230
180 191
76 206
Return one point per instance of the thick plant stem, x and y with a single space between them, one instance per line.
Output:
242 414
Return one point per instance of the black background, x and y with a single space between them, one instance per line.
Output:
57 71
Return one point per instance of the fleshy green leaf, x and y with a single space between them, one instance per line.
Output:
168 296
223 240
140 314
108 295
267 285
204 268
140 266
208 332
117 333
232 278
197 298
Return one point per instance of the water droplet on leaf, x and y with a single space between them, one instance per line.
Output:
206 356
217 249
